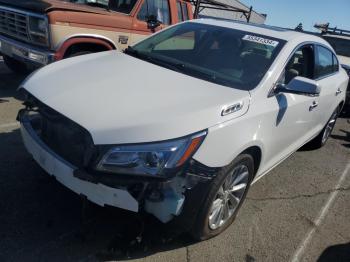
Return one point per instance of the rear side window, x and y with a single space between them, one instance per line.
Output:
158 8
179 11
185 11
325 62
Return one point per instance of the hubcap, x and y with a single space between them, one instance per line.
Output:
329 127
228 197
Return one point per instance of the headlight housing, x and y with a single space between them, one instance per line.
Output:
38 30
150 159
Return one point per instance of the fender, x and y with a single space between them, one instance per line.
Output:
81 39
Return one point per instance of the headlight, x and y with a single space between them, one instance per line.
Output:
150 159
38 30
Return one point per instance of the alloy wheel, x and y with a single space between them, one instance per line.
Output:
228 196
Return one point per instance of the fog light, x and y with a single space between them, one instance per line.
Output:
37 57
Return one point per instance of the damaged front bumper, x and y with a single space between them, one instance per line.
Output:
165 199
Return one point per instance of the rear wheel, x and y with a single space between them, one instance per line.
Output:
322 137
16 66
226 195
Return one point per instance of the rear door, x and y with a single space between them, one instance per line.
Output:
327 76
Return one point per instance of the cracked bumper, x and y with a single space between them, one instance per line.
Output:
64 173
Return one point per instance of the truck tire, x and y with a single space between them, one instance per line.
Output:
79 53
226 195
16 66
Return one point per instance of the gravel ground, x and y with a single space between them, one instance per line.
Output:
298 212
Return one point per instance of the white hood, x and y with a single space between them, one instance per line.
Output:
121 99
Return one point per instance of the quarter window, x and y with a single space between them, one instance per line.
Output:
326 62
158 8
335 64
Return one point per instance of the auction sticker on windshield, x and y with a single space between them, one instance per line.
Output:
260 40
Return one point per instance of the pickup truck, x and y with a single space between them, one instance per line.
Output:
36 33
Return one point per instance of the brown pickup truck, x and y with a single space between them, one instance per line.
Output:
38 32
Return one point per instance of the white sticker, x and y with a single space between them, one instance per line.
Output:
260 40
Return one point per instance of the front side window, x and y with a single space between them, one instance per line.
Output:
325 62
122 6
221 55
158 8
302 63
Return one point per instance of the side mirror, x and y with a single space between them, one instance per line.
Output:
299 86
152 22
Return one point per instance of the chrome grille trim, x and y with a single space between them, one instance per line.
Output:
15 23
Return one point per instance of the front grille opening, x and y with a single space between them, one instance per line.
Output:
14 24
63 136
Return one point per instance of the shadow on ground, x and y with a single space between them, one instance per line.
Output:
9 83
339 253
42 220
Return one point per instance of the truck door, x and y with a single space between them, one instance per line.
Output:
156 8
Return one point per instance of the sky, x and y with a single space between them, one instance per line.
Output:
289 13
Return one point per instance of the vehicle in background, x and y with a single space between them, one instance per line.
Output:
339 39
182 123
35 33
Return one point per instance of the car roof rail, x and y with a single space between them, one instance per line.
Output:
325 29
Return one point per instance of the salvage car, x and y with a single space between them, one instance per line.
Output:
182 123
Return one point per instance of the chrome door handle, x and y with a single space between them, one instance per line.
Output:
338 92
313 105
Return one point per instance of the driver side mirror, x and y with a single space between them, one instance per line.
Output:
299 86
152 22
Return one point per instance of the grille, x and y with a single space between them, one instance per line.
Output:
14 24
66 138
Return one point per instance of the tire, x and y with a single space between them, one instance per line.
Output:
16 66
79 53
205 226
321 139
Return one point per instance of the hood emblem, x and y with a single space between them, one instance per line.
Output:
231 108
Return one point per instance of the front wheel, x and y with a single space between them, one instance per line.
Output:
226 195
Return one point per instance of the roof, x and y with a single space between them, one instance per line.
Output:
272 31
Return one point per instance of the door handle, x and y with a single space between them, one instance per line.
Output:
313 105
338 92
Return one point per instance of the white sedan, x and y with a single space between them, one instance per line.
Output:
183 122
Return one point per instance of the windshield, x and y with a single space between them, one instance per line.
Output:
341 46
123 6
221 55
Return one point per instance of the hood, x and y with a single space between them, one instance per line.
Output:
121 99
44 6
345 60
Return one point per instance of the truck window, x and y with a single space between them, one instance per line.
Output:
341 46
179 11
158 8
185 11
123 6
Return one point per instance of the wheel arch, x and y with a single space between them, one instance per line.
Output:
256 153
87 41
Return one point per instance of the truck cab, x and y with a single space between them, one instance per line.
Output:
36 33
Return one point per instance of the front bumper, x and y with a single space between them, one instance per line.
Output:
28 54
64 173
